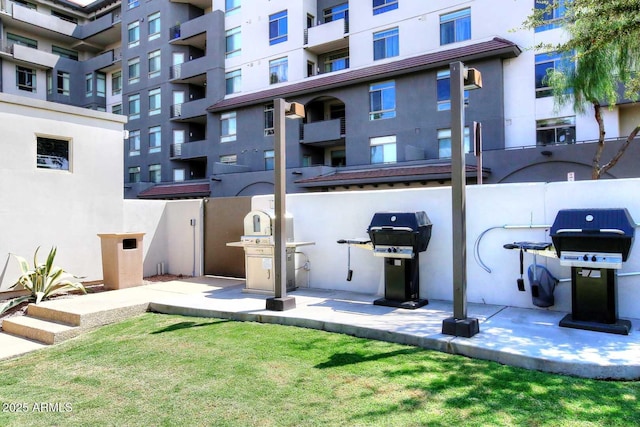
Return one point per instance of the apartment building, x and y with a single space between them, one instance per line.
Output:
197 80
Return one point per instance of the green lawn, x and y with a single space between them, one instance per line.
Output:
159 370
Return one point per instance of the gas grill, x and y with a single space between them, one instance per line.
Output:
594 243
399 237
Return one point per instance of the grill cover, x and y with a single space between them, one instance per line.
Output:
401 229
593 230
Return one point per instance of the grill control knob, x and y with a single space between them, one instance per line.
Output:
395 249
389 250
594 259
585 257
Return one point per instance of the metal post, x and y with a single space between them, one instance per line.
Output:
459 324
280 302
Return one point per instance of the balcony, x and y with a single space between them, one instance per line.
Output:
192 111
29 56
193 32
54 27
324 133
99 33
327 37
189 150
192 72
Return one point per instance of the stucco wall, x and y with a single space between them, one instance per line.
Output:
328 217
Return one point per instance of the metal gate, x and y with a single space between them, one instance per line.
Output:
223 223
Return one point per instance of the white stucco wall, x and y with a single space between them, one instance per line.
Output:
327 217
43 207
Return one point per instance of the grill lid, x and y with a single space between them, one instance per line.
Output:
411 229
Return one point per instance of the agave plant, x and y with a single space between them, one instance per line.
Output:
42 281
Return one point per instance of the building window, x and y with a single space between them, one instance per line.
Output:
278 27
383 149
231 7
382 100
154 102
64 53
26 4
134 70
545 63
306 161
155 175
233 80
233 38
52 153
26 79
228 127
134 174
269 160
134 106
560 130
338 158
64 17
178 175
334 13
552 15
278 70
88 84
23 41
386 44
133 3
116 83
101 84
134 143
444 143
443 84
229 159
381 6
116 109
268 120
154 26
337 61
455 26
154 63
155 139
133 33
63 82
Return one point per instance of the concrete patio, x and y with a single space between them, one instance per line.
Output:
528 338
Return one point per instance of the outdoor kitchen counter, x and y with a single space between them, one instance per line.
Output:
289 244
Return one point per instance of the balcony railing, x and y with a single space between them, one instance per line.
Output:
176 71
174 32
175 150
175 110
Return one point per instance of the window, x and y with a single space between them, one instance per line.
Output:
229 159
133 31
560 130
269 160
382 100
278 70
133 3
116 108
383 149
64 53
455 26
337 61
26 4
26 79
134 143
134 106
134 70
154 102
545 63
233 80
101 84
306 161
278 27
551 16
155 139
178 175
23 41
334 13
116 83
154 63
233 38
64 17
155 173
338 158
386 44
268 120
443 84
52 153
444 143
154 26
228 127
231 6
88 84
134 174
381 6
49 82
63 82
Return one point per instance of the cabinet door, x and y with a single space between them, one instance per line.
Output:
260 273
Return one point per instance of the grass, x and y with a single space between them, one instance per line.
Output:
158 370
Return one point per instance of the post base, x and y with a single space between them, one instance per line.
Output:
620 327
281 304
460 327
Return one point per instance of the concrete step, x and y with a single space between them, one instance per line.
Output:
43 331
86 313
13 346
